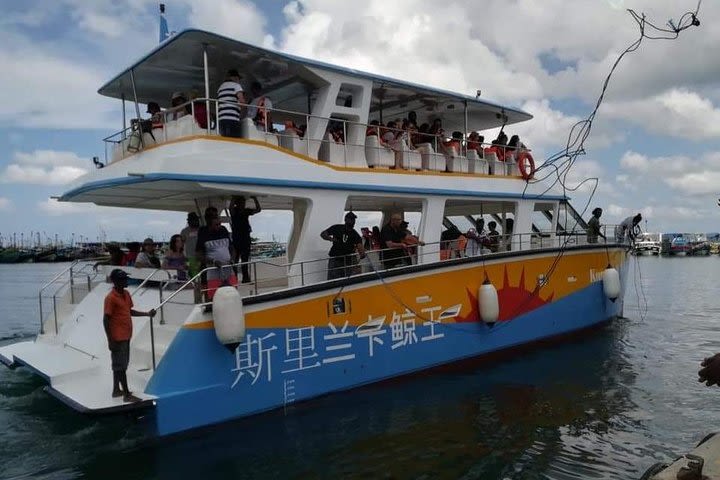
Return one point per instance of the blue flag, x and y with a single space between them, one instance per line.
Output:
164 33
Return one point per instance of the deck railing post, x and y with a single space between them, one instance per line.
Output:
152 342
42 328
55 311
72 283
162 310
255 277
302 273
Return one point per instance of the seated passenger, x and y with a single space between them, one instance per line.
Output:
148 257
260 108
301 130
156 115
199 107
513 146
178 98
474 142
131 255
454 143
423 135
388 135
373 128
412 120
175 258
498 147
291 129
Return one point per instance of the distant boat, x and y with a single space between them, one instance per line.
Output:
647 244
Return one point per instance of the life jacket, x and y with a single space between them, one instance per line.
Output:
371 130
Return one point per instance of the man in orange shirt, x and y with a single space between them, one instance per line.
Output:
118 328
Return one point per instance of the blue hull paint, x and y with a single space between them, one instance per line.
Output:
194 381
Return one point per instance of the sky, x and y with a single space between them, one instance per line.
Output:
655 147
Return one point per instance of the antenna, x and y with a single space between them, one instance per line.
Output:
162 8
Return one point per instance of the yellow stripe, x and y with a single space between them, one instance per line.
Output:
443 289
200 325
314 161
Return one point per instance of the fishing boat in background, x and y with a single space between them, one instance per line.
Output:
291 334
647 244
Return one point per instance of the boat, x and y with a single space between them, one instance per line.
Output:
291 335
703 462
647 244
679 246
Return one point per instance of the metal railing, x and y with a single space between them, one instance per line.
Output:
324 138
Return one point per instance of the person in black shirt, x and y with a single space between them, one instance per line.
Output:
346 241
240 218
391 238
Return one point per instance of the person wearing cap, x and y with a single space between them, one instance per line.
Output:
189 235
240 220
345 242
117 320
593 228
230 101
148 257
177 99
629 227
156 116
260 107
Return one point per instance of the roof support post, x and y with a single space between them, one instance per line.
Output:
122 96
137 106
207 87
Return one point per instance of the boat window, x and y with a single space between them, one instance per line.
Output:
568 220
542 216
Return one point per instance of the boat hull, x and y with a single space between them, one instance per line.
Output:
349 333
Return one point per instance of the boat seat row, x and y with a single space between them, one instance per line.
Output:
251 132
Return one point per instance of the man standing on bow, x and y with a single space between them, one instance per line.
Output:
117 320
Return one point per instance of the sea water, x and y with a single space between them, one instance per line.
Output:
605 406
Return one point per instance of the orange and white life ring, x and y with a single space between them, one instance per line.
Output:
526 165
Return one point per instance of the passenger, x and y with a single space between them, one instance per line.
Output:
291 129
454 145
260 107
593 230
240 221
376 240
493 237
230 98
200 109
302 129
214 248
628 227
133 252
437 134
178 98
117 256
346 242
448 242
508 234
513 147
189 236
373 128
474 142
391 237
412 119
366 235
117 320
411 243
156 115
388 134
148 257
478 241
498 147
175 258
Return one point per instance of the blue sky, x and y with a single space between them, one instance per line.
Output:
655 147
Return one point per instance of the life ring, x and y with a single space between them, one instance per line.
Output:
527 170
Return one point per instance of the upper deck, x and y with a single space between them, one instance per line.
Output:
321 114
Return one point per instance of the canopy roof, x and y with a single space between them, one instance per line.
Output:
177 65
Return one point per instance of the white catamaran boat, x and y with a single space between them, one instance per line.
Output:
291 334
647 244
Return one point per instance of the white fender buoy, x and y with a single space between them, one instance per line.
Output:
228 316
611 283
488 303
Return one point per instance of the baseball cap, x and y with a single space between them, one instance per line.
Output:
350 215
151 105
118 274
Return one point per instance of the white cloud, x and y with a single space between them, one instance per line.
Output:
158 223
676 113
239 19
54 208
44 167
6 204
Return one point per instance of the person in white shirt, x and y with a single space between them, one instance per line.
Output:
628 227
230 99
260 108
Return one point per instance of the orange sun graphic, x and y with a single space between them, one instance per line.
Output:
513 301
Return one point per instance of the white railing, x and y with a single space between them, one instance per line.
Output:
408 150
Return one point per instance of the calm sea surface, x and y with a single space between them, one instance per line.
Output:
607 406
